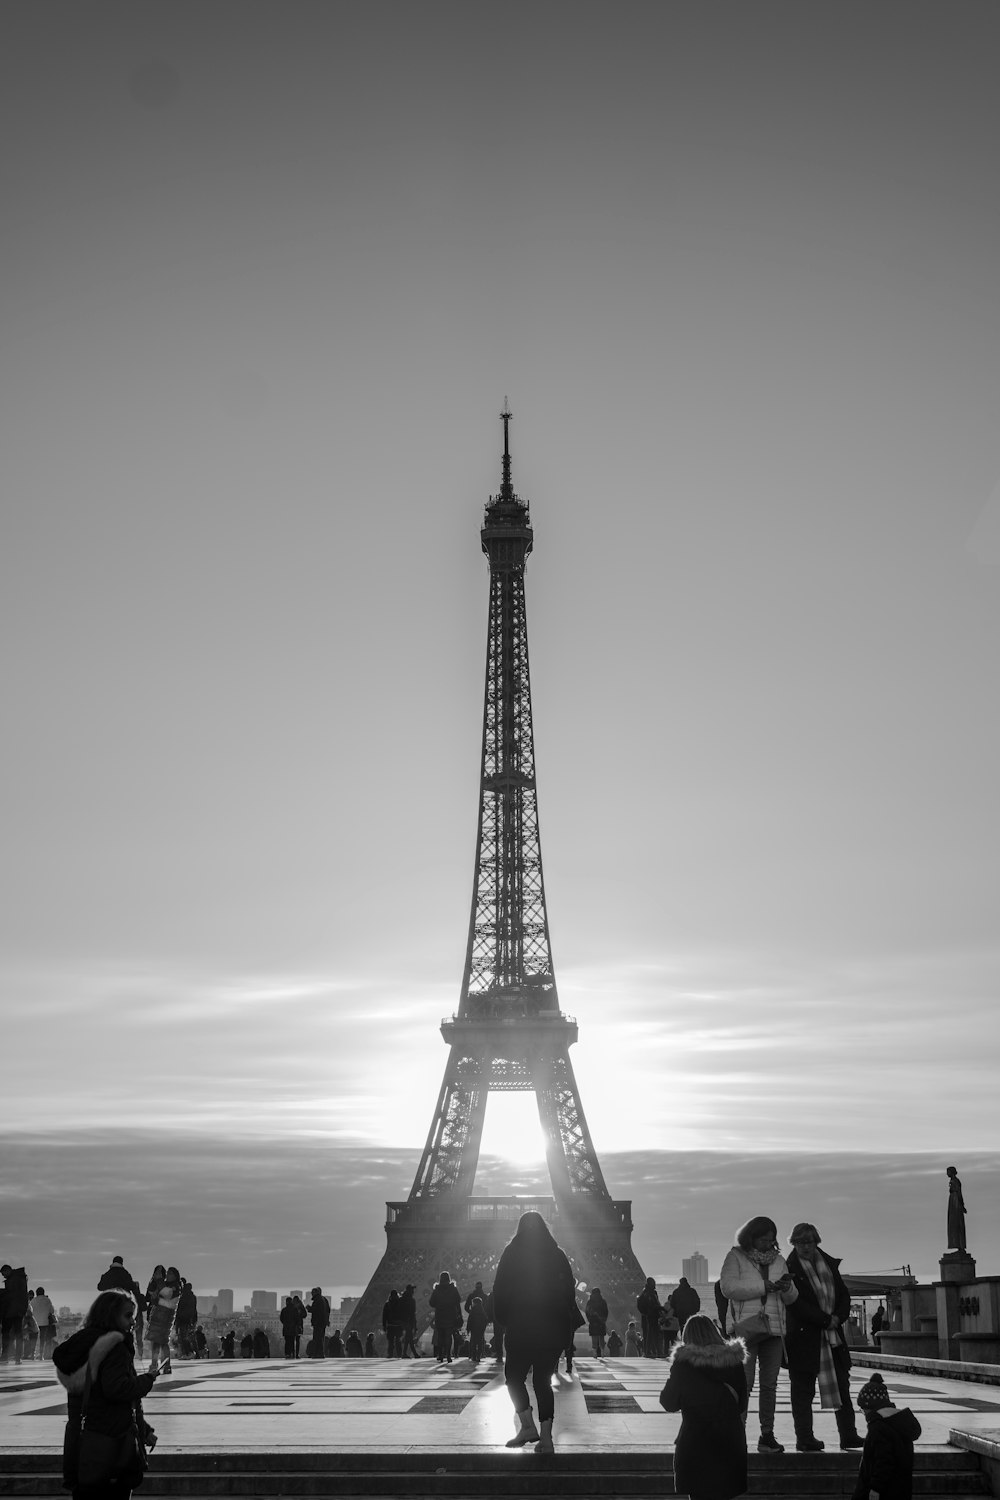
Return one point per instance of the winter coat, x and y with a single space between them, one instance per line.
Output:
597 1316
115 1390
887 1460
290 1320
43 1311
743 1285
319 1314
161 1313
807 1320
631 1342
14 1297
446 1301
408 1309
685 1302
187 1308
648 1304
534 1293
477 1317
354 1346
392 1312
117 1279
710 1457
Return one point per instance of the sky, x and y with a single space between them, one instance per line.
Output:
269 272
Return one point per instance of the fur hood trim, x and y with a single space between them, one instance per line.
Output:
75 1380
721 1357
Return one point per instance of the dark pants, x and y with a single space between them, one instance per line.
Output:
650 1337
803 1389
289 1346
11 1339
410 1343
319 1342
394 1338
541 1359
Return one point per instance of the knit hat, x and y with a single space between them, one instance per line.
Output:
873 1395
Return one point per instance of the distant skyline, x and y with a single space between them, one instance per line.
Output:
269 273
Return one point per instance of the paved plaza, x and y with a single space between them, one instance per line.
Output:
247 1406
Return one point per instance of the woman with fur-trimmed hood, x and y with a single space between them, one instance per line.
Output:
707 1384
104 1348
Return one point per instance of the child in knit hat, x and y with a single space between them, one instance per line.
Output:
886 1471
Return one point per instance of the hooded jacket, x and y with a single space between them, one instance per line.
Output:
887 1460
708 1386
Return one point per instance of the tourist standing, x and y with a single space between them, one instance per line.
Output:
13 1307
755 1280
648 1305
408 1308
596 1313
392 1324
104 1351
446 1300
685 1302
816 1347
161 1317
707 1384
534 1297
289 1319
48 1323
319 1317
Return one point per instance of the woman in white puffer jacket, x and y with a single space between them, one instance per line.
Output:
755 1279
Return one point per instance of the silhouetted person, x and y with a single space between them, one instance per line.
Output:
615 1345
186 1316
446 1300
648 1305
116 1278
289 1318
354 1347
878 1323
596 1313
336 1345
370 1345
246 1346
476 1322
300 1313
319 1316
534 1296
408 1310
13 1307
392 1323
722 1305
261 1344
228 1345
685 1301
45 1316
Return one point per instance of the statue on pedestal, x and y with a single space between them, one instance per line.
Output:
956 1212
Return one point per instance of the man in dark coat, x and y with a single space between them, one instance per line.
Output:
648 1304
117 1279
815 1344
319 1316
408 1311
13 1311
685 1301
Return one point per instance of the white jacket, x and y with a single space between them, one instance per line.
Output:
743 1284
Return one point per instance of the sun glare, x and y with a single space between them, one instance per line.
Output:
512 1130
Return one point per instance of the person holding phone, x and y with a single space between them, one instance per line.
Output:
754 1280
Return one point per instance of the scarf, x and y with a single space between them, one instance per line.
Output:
762 1257
821 1279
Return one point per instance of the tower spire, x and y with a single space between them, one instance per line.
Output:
506 487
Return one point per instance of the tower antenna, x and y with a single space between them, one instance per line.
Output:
506 487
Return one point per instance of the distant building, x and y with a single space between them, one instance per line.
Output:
695 1268
208 1306
224 1301
295 1292
264 1302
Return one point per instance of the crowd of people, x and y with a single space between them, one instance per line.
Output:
773 1310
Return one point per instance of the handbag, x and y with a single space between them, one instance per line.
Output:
101 1457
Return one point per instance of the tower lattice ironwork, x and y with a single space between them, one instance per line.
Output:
509 1032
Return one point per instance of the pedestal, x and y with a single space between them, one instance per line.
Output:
958 1265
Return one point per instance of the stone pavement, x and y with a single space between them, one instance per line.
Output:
317 1406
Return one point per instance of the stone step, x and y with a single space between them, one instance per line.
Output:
944 1474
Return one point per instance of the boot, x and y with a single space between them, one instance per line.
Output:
526 1432
545 1437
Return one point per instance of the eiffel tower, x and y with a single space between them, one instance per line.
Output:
509 1032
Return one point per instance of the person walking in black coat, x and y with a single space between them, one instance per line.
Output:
685 1301
319 1315
14 1302
392 1324
707 1384
648 1305
815 1344
887 1461
596 1313
446 1300
408 1310
534 1297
